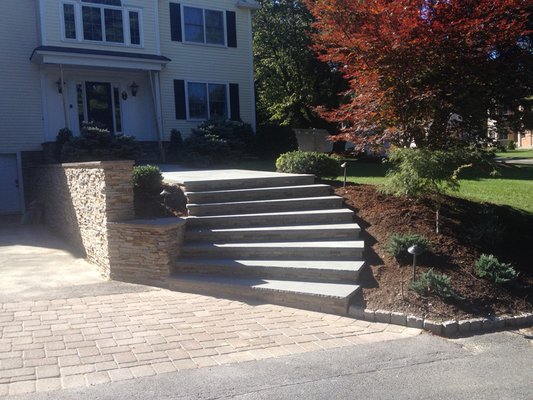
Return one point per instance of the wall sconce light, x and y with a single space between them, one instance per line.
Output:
134 87
59 86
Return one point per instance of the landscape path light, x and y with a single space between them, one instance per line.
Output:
343 166
415 250
164 193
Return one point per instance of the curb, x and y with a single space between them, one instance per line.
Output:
451 328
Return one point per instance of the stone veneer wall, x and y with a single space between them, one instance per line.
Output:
79 199
91 206
144 251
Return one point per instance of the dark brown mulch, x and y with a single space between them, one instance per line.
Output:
155 206
453 251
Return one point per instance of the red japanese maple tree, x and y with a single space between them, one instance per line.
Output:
423 70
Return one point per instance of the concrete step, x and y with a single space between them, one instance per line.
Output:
200 181
274 233
275 205
308 270
311 217
323 297
309 250
268 193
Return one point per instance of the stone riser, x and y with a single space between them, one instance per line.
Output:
280 253
266 206
259 182
284 298
232 221
309 275
258 194
270 235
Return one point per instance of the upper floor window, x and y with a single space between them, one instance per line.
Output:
204 26
101 21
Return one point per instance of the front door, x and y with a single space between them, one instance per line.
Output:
100 104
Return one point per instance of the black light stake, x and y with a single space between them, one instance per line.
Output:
164 193
343 166
415 250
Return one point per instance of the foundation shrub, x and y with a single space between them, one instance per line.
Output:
488 266
398 244
147 180
99 144
218 142
432 283
300 162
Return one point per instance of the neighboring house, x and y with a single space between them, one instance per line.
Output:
139 67
504 132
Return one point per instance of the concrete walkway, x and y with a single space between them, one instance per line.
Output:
61 327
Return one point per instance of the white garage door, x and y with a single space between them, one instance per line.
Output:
9 185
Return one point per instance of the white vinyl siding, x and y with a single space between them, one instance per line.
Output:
21 126
209 64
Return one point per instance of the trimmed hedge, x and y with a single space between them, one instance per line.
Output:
147 180
300 162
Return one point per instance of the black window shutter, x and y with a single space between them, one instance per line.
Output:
175 22
179 99
231 27
234 104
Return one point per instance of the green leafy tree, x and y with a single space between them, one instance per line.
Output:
290 80
430 174
424 70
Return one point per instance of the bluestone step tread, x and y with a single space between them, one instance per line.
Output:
347 227
283 218
310 250
320 289
269 201
352 266
236 179
255 206
336 244
259 193
277 233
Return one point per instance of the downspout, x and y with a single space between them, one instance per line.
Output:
157 115
63 96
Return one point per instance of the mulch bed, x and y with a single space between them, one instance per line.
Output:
453 251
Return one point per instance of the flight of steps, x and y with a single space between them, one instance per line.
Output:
280 239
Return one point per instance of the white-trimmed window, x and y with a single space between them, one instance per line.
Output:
105 21
204 26
207 100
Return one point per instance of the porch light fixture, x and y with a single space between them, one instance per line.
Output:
59 86
134 87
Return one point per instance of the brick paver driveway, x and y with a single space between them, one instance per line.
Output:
86 334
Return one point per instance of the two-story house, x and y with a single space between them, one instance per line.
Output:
139 67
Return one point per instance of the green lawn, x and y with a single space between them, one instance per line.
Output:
516 153
514 186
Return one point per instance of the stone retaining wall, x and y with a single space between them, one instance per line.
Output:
145 251
90 205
